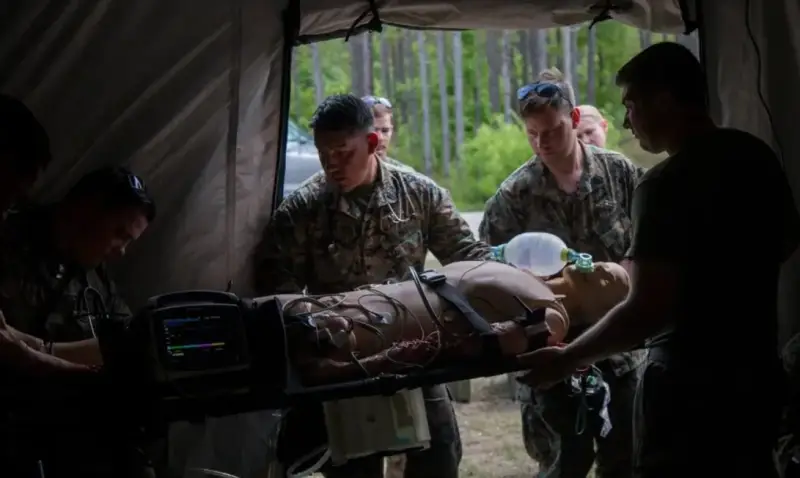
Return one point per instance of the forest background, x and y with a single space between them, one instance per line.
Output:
454 93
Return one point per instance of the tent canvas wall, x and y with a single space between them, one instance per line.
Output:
190 94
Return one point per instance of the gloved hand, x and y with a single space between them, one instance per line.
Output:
548 366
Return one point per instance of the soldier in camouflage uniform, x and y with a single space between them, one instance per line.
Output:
384 127
54 288
582 194
592 127
363 222
24 153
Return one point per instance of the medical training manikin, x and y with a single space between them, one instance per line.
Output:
464 315
398 327
588 294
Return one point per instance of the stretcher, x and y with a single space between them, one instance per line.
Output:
212 353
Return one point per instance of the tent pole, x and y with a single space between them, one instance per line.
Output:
234 83
291 32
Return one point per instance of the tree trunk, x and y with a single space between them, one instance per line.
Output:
494 57
458 93
505 75
538 48
400 53
591 66
441 51
566 53
426 105
357 85
514 61
319 80
413 92
385 59
367 70
478 88
525 55
294 95
574 61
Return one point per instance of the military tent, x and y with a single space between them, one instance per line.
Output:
193 95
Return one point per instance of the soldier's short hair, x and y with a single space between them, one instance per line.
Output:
23 140
116 187
590 112
668 67
551 90
344 113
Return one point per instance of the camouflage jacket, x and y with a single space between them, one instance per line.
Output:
595 219
44 296
398 164
323 241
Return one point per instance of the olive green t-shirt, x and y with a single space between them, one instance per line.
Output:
721 211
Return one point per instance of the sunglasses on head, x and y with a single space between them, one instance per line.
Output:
545 90
376 100
135 182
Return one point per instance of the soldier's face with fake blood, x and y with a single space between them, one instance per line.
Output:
348 158
97 233
552 133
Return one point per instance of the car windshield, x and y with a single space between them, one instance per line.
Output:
300 168
297 134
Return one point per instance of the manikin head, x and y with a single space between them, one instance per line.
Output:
382 122
24 151
664 93
345 140
547 108
592 127
101 215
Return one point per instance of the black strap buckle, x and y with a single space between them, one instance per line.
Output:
433 278
532 317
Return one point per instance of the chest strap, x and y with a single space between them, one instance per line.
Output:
448 293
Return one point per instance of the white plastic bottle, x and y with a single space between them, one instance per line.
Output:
542 253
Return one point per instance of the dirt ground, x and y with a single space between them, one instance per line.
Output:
492 434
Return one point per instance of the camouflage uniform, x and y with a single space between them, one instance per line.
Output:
47 298
595 219
329 243
398 164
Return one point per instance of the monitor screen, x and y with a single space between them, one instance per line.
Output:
201 341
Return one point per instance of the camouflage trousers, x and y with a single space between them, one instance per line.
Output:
565 445
303 430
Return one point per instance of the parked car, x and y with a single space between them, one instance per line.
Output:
302 160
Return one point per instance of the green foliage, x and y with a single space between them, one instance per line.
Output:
492 149
489 156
